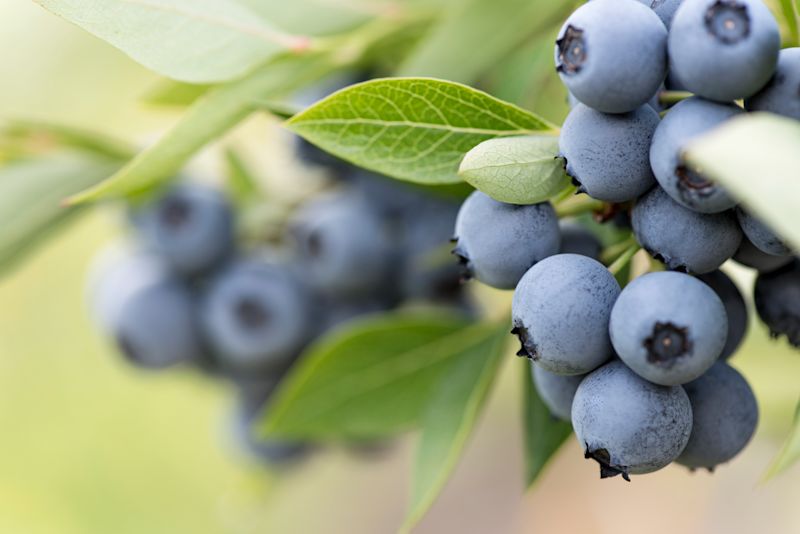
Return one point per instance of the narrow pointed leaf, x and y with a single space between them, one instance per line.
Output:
790 453
415 129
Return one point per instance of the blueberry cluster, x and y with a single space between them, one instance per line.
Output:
641 371
187 292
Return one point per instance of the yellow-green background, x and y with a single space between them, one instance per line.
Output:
88 445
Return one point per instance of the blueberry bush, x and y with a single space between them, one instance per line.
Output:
340 318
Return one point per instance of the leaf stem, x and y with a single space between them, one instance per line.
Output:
621 262
612 252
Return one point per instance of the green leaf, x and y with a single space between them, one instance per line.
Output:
242 183
451 414
198 41
517 170
474 34
371 379
756 157
318 17
415 129
790 16
171 93
206 120
37 134
31 191
544 434
790 453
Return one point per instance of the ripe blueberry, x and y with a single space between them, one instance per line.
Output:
684 239
668 327
665 9
777 298
191 227
256 316
735 308
725 416
782 94
556 391
577 239
345 248
750 256
157 326
560 313
627 424
685 121
724 50
497 242
611 54
761 236
608 156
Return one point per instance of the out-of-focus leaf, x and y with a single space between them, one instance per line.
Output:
206 120
415 129
516 170
38 137
544 434
242 184
790 16
175 94
31 194
472 35
372 379
318 17
198 41
757 158
790 453
451 415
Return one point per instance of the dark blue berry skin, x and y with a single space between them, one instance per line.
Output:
777 299
684 239
560 313
751 256
760 235
191 227
688 119
782 94
157 326
256 316
628 425
556 391
724 50
665 9
725 417
611 54
498 242
669 328
608 156
735 309
577 239
344 246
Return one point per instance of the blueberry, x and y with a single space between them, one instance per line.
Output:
750 256
627 424
608 156
556 391
725 416
253 396
497 242
782 94
157 326
724 50
344 246
735 308
687 120
428 270
577 239
256 315
761 236
668 327
611 54
777 298
665 9
118 272
684 239
191 227
560 313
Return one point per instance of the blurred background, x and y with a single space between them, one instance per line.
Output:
89 444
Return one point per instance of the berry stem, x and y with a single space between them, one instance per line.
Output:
612 252
625 258
673 97
577 205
